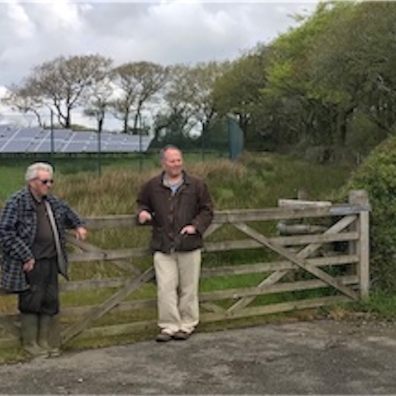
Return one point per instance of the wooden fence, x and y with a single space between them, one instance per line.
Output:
306 269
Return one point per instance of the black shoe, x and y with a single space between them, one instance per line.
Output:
181 335
163 337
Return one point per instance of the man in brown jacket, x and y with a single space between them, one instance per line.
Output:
180 209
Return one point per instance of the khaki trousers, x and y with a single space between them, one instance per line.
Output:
177 277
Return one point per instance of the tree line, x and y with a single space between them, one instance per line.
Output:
177 97
328 84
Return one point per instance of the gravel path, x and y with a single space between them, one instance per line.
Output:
318 357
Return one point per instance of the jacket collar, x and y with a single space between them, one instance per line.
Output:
27 198
186 177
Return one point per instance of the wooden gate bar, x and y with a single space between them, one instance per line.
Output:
337 227
308 250
360 197
297 260
106 306
269 281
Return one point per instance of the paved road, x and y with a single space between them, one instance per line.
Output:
318 357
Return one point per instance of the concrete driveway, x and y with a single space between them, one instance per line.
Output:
317 357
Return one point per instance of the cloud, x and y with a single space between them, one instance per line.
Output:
19 21
166 32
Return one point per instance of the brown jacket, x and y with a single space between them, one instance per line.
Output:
191 204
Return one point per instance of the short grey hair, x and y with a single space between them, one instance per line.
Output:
166 148
33 169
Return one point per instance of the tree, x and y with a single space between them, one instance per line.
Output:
202 102
355 68
99 101
138 82
300 114
62 84
25 101
270 90
189 100
176 115
238 90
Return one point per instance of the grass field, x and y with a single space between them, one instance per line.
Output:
253 182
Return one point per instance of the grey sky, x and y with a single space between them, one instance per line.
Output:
166 32
161 31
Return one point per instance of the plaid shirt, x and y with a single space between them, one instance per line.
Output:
18 223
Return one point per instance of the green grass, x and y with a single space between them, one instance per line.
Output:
380 304
11 179
255 181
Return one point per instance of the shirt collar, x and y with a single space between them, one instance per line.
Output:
36 198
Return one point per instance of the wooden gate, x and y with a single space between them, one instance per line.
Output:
299 266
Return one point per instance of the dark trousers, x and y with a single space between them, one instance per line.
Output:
43 295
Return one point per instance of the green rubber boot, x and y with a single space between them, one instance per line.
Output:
49 337
29 334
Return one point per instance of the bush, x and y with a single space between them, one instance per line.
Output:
363 136
377 175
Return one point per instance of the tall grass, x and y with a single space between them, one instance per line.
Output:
255 181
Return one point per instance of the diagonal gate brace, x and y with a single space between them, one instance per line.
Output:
304 253
297 260
107 305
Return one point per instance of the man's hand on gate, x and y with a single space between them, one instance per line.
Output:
144 217
80 233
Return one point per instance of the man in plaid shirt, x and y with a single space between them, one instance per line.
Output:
32 238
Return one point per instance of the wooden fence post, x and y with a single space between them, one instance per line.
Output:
360 197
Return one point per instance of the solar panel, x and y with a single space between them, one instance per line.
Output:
37 140
16 146
63 133
27 133
6 130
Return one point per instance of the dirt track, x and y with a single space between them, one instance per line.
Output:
319 357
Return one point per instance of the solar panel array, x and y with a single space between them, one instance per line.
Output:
15 139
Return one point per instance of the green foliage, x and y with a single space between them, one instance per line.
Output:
363 136
380 303
328 84
238 91
11 180
377 176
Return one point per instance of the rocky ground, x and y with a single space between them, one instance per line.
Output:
316 357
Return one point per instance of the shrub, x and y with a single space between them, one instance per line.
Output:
377 175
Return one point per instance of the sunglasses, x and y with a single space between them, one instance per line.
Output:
46 181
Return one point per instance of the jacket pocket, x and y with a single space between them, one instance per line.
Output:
188 242
157 240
